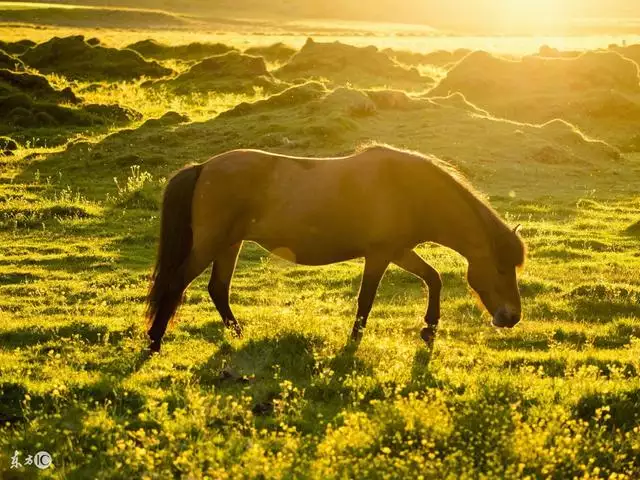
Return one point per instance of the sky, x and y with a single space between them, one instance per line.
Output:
489 14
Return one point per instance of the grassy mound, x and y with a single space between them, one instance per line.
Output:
231 72
482 76
10 62
634 228
500 155
17 48
166 120
291 97
441 58
277 52
29 102
17 85
39 114
362 67
598 91
76 59
632 52
551 52
192 51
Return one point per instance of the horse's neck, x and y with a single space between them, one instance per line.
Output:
465 229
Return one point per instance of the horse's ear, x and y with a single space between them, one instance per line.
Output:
517 229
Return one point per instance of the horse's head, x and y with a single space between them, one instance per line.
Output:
493 277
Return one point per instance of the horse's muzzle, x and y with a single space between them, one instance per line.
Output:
506 318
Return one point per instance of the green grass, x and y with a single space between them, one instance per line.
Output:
556 397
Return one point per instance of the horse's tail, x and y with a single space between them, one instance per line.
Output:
176 241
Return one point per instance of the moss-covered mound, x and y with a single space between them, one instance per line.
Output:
10 62
35 87
363 67
166 120
500 156
17 48
598 91
232 72
632 52
634 228
277 52
482 76
551 52
291 97
33 114
192 51
76 59
29 102
441 58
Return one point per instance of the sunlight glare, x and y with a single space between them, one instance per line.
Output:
531 14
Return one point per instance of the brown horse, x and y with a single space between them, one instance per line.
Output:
378 204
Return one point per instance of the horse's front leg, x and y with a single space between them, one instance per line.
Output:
374 269
220 284
413 263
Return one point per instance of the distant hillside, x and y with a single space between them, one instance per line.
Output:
464 16
482 16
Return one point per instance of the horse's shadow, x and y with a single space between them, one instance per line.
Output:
283 356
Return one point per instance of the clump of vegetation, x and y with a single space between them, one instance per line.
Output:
193 51
76 59
137 191
362 67
232 72
276 53
7 145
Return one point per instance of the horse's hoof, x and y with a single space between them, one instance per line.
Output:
154 347
356 336
428 334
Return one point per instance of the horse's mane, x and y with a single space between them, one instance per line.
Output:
508 247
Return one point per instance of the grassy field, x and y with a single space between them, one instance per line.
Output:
556 397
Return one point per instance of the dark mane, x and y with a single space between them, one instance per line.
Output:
508 248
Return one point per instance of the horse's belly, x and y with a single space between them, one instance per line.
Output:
318 253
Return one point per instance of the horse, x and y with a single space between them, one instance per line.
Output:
378 204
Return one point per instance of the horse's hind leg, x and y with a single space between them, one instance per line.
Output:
220 283
374 269
414 264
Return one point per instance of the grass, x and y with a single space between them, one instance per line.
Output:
557 397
